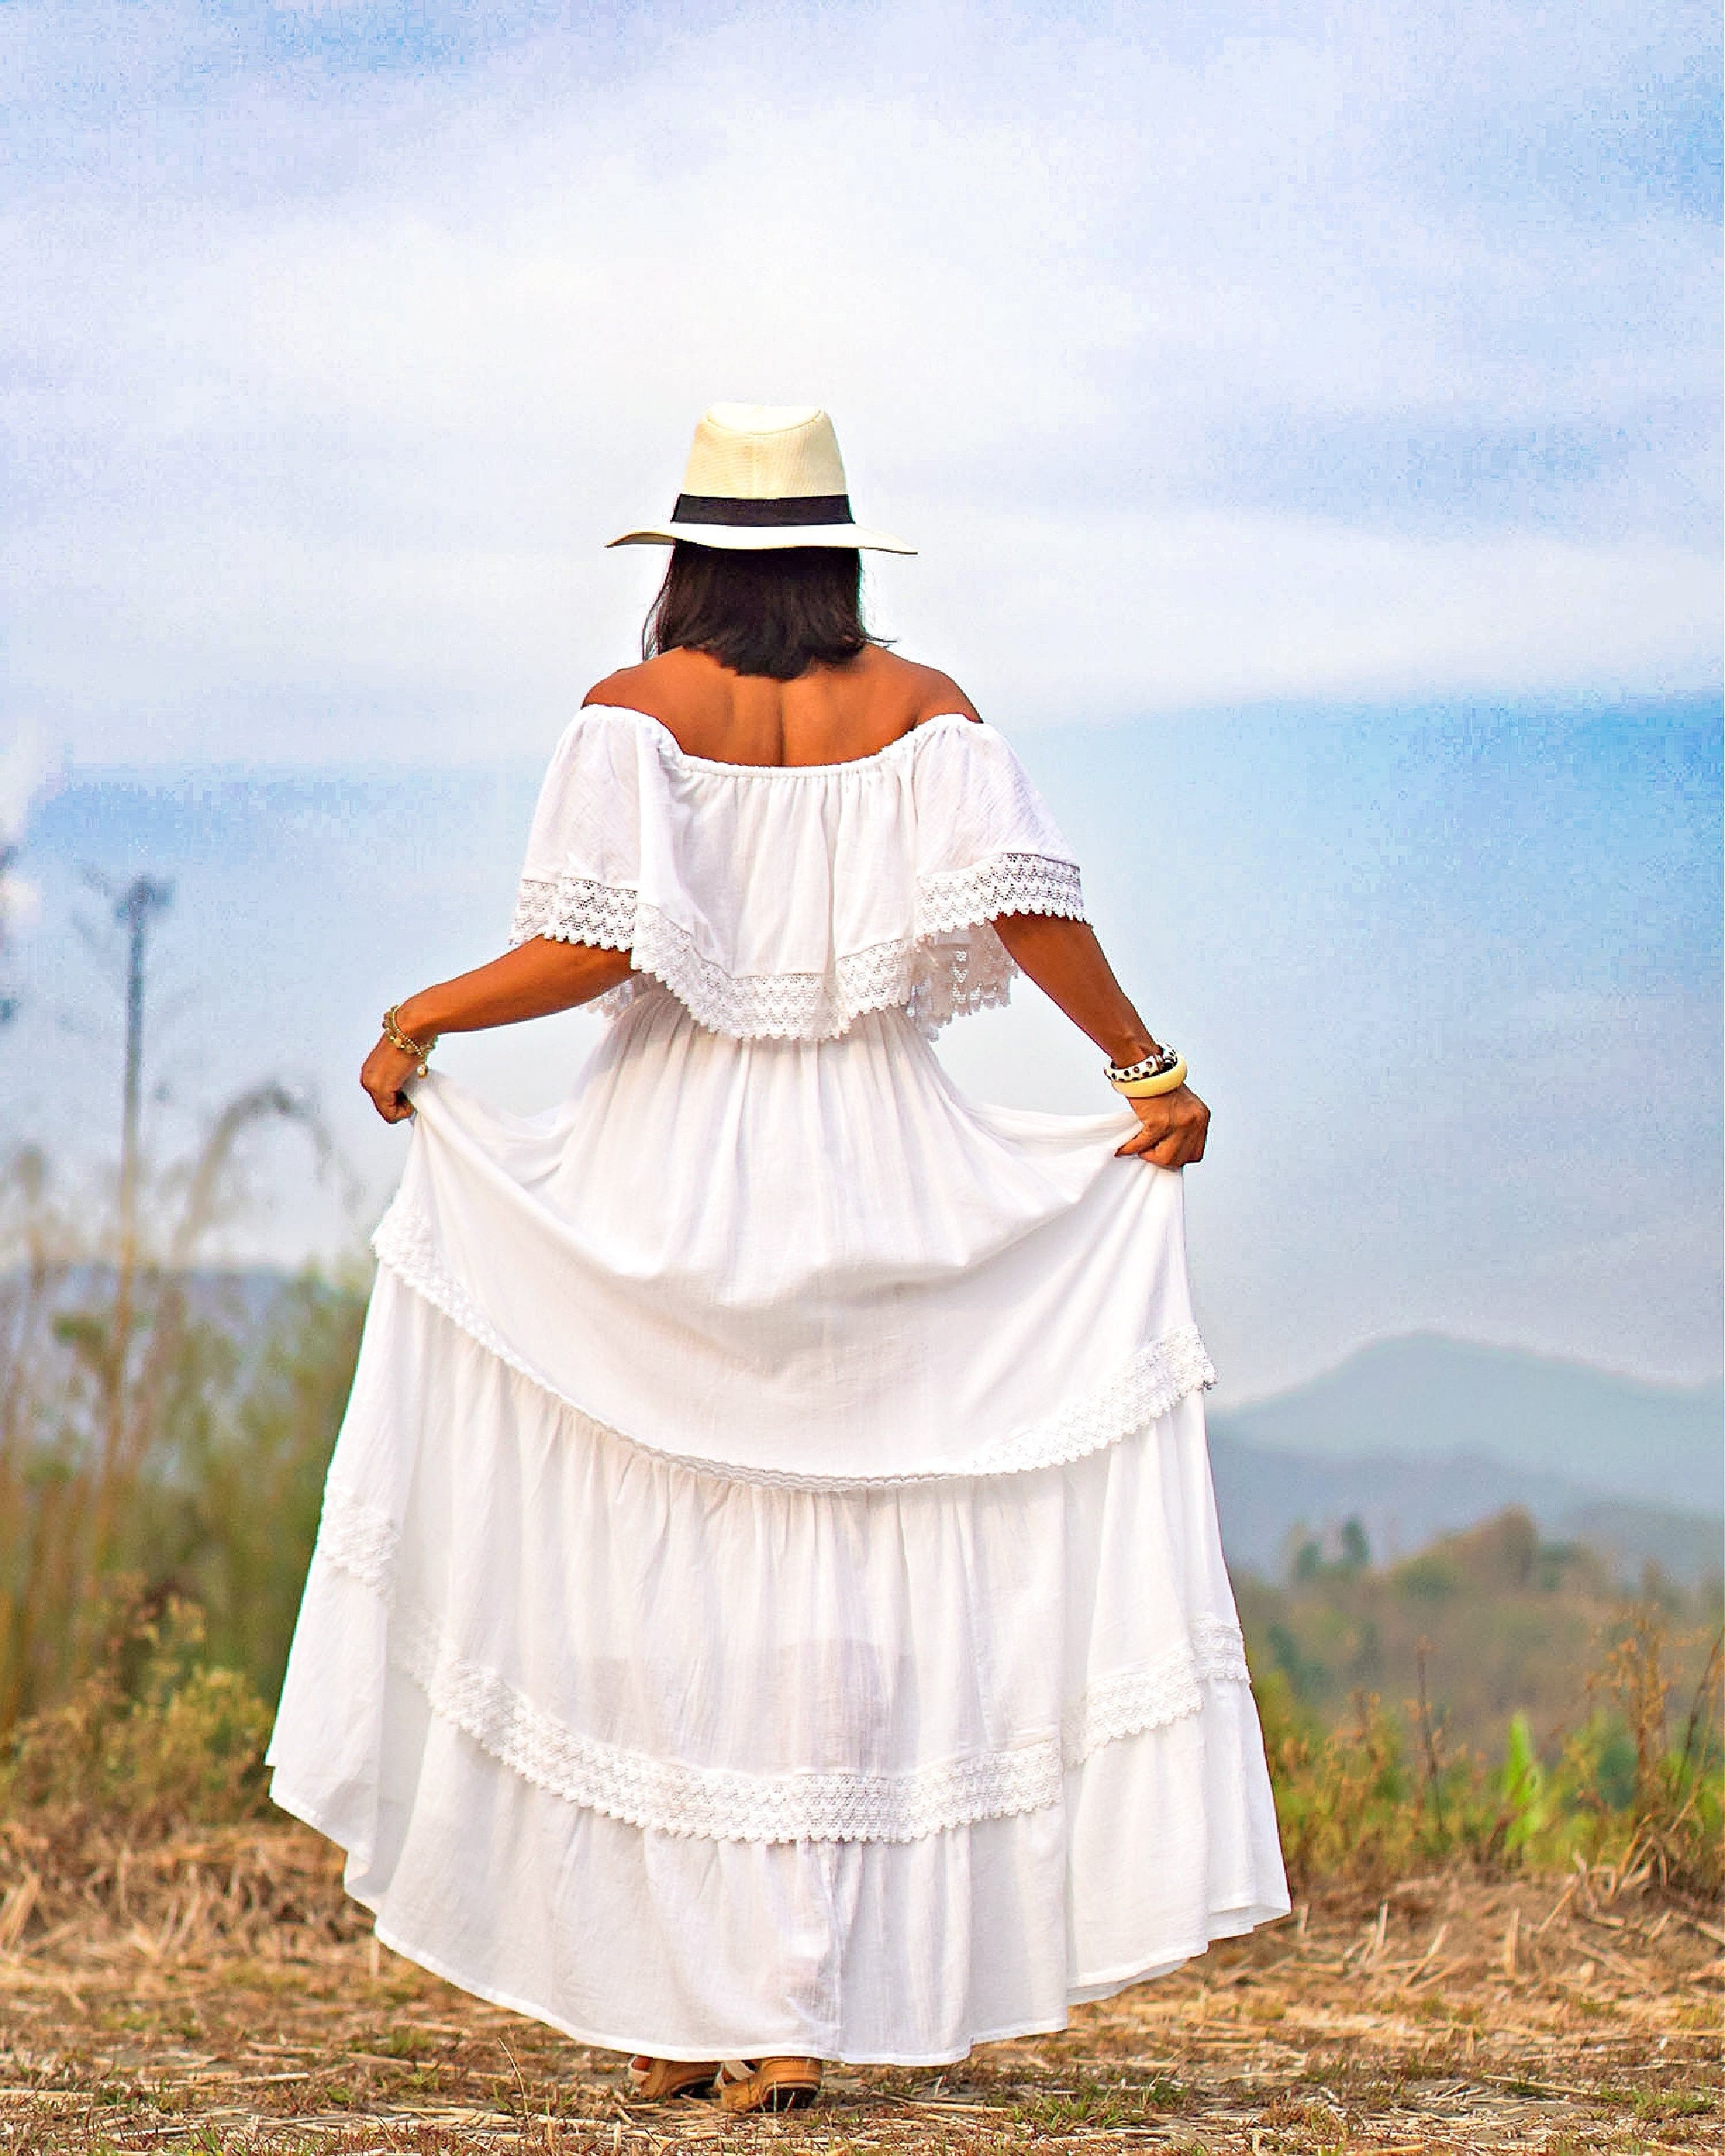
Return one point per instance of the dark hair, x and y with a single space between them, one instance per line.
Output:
777 611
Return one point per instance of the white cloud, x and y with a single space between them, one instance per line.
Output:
325 386
1115 615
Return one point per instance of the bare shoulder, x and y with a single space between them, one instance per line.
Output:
929 692
644 687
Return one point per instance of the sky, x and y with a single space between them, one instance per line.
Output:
1211 354
1308 418
1447 977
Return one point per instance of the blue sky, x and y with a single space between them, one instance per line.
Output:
1308 417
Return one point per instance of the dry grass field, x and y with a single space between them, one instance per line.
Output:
220 1993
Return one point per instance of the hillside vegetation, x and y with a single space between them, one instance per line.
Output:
1487 1624
162 1451
1492 1697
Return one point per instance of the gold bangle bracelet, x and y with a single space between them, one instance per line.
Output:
393 1034
1147 1088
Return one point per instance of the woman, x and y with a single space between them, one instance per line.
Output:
768 1605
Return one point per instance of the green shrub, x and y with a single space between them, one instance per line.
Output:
1380 1794
151 1740
1530 1806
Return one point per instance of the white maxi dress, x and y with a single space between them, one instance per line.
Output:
767 1597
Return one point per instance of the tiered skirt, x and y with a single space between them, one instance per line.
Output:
768 1597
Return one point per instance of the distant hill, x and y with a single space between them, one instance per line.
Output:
1572 1432
244 1294
1264 1497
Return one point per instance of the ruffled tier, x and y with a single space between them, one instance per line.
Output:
814 1263
872 885
609 1626
904 1954
934 974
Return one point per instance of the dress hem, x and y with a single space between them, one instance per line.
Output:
1227 1922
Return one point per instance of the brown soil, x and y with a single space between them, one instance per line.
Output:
221 1995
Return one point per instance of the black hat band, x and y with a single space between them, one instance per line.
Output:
784 509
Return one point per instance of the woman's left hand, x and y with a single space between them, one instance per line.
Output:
1170 1132
383 1075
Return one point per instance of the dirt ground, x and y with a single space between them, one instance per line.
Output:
221 1995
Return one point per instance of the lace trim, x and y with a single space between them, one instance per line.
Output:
1153 1384
669 1797
1156 1380
573 911
1011 883
1129 1702
935 983
952 965
359 1540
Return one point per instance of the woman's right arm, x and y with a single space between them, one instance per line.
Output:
1067 963
530 981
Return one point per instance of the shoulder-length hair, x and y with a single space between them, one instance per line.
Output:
777 611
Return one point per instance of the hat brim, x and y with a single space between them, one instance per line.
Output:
756 538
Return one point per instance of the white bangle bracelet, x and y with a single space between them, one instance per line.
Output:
1169 1080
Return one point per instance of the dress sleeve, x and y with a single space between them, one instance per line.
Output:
580 879
987 843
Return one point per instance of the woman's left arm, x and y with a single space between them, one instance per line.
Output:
530 981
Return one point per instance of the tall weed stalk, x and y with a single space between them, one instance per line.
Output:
125 1398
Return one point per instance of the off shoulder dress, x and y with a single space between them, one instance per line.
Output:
767 1598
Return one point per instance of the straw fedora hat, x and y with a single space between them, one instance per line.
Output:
763 475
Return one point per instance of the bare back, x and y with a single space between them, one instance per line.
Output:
831 714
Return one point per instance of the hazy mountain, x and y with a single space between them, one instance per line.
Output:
1453 1404
1264 1497
243 1294
1424 1436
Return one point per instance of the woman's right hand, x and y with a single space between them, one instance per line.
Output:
385 1072
1170 1129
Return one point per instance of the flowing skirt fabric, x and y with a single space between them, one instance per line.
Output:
768 1597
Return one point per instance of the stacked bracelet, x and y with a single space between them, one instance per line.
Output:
1152 1066
393 1034
1164 1072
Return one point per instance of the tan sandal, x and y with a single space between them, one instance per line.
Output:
768 2084
656 2080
